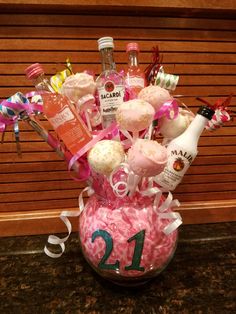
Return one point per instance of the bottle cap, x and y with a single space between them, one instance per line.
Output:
132 47
33 71
206 112
105 42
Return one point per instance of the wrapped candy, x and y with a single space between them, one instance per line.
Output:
222 113
219 118
168 81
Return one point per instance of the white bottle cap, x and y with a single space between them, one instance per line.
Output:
105 42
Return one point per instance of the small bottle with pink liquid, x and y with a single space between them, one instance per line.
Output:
110 84
135 77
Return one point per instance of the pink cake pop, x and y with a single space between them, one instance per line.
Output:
155 95
78 85
135 115
147 158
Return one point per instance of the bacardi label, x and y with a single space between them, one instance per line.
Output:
110 97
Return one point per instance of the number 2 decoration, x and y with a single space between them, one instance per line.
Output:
138 250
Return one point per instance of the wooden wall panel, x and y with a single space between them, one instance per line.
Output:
201 50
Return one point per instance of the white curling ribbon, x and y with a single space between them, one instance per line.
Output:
133 181
150 191
172 226
168 203
55 240
120 188
176 217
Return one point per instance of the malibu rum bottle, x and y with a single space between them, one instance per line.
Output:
183 149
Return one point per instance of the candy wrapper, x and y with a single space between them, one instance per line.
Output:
222 112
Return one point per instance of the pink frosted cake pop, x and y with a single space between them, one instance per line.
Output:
118 229
147 158
155 95
135 115
78 85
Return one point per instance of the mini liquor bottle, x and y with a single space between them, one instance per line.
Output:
66 122
135 77
35 73
110 84
183 149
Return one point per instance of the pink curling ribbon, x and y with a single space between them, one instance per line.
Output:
4 122
170 109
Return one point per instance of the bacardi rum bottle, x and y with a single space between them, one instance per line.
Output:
110 84
183 149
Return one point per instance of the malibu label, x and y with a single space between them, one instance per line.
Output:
178 163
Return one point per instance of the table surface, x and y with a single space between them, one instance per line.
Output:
201 278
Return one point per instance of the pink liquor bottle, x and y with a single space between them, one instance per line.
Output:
135 77
110 84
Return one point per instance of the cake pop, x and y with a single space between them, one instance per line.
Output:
105 156
155 95
135 115
147 158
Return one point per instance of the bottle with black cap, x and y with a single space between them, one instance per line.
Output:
183 149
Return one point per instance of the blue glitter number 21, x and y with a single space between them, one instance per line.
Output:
138 249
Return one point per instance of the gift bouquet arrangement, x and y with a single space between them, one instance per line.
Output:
131 141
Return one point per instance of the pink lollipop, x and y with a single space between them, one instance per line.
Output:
155 95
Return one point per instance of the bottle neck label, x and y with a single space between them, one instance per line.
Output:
62 117
110 97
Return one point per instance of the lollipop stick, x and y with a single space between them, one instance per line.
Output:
88 120
133 181
135 136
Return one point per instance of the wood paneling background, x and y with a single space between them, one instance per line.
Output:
36 187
